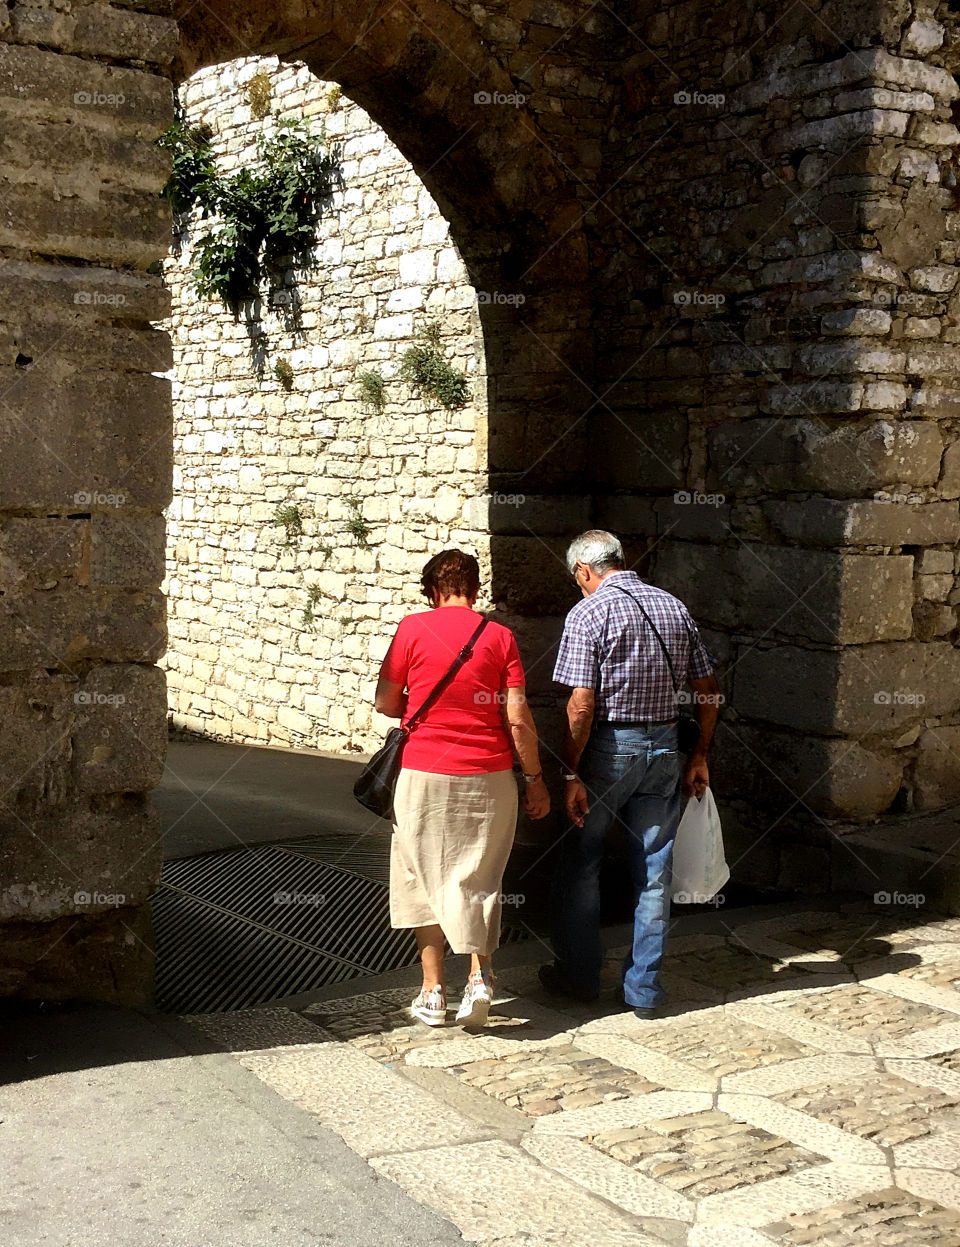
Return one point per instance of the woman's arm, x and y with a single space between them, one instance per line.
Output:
523 734
390 699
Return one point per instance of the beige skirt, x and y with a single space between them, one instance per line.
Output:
451 839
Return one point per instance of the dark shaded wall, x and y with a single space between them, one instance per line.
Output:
775 326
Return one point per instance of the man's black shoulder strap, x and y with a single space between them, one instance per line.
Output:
656 633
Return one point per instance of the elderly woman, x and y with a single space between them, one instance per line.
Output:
455 809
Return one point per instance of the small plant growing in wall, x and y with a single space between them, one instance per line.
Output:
357 526
425 367
259 91
289 518
325 549
283 371
193 171
372 391
333 97
362 322
309 616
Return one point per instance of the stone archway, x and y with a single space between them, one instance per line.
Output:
89 435
820 402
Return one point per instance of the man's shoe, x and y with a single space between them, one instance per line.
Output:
647 1012
557 984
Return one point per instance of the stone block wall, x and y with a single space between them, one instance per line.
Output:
243 662
778 350
84 475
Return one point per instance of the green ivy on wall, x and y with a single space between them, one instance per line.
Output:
268 213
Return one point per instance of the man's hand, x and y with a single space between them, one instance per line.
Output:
536 800
696 775
575 801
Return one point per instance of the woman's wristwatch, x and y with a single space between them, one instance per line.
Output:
532 779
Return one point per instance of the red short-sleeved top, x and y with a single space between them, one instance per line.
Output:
463 733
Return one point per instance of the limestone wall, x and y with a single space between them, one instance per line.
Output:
244 662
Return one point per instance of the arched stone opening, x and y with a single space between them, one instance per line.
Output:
498 170
833 393
275 628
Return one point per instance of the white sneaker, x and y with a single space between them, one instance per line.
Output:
430 1007
477 999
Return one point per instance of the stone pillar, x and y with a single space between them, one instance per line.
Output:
84 473
782 395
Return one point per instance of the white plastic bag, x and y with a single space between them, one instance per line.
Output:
699 867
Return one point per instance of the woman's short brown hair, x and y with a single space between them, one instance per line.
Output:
451 573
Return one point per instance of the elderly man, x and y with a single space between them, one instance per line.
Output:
621 761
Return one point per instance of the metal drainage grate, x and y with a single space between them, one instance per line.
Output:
247 926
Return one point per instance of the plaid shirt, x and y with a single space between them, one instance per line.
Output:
608 646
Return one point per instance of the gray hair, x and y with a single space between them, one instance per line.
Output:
597 549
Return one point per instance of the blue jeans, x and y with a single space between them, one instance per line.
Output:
632 776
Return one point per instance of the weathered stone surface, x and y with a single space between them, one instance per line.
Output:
108 956
912 238
37 554
519 513
81 296
621 513
693 515
641 453
859 690
846 460
809 593
60 628
937 774
860 522
833 778
126 549
48 157
121 729
550 592
34 765
950 478
71 88
123 229
82 858
122 457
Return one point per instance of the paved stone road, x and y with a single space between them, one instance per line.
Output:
804 1088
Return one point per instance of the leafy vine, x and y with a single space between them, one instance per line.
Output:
268 213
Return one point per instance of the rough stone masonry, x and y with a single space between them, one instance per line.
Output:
734 228
276 631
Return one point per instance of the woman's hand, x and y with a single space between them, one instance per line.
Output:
536 799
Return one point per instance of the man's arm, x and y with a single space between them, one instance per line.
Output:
580 711
706 700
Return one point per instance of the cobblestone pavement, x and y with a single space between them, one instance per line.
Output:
803 1087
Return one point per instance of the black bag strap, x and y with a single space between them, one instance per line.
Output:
442 683
656 633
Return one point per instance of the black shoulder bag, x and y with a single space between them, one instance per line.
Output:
377 781
688 729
